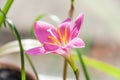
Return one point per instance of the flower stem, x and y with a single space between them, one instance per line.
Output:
17 36
73 66
83 65
71 11
34 70
77 74
15 32
65 69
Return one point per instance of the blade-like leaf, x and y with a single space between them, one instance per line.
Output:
36 19
99 65
5 10
109 69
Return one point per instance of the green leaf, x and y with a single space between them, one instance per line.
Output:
1 19
5 10
99 65
109 69
83 65
17 36
39 17
36 19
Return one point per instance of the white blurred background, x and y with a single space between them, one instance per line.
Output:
101 25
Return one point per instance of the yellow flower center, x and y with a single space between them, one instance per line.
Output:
63 39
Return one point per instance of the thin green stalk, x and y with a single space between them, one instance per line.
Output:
17 36
74 68
65 69
83 65
72 1
77 74
15 32
70 13
5 10
7 6
33 68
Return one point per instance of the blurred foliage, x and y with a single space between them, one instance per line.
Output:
104 67
88 43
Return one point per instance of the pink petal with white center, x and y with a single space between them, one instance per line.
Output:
36 51
77 25
42 30
76 43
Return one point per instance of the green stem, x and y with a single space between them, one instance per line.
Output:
73 66
5 10
72 1
7 6
83 65
77 74
71 11
71 62
65 69
33 68
16 34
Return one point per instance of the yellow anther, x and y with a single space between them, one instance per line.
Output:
42 44
60 35
54 39
66 35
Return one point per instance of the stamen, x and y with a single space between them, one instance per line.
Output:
60 35
66 35
42 44
53 39
50 30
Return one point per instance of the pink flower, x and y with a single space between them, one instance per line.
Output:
60 40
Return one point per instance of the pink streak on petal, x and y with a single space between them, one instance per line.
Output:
76 43
36 51
77 26
41 31
62 27
50 47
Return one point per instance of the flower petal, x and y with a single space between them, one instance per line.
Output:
76 43
77 26
50 47
63 26
62 51
36 51
67 20
42 30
